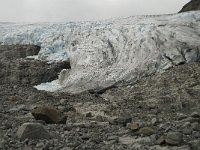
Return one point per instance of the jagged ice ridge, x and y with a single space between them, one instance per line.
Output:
113 52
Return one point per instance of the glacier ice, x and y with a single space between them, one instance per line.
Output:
110 52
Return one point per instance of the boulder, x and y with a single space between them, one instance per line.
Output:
32 131
174 138
147 131
195 145
123 120
49 115
133 126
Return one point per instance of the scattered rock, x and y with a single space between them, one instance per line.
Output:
191 120
187 131
195 145
121 120
147 131
174 138
2 143
133 126
195 115
28 148
66 148
40 145
160 140
89 114
49 115
32 131
127 140
195 126
154 121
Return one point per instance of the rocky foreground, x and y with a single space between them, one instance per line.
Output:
159 112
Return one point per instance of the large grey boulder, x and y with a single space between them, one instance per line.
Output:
32 131
174 138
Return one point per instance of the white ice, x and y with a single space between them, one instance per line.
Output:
111 52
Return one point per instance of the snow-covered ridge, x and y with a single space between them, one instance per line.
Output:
111 52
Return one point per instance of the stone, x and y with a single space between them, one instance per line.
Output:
195 145
2 143
32 131
153 138
39 145
121 120
174 138
158 147
28 148
160 140
85 137
187 131
100 118
147 131
63 101
127 140
195 126
195 115
196 134
181 116
49 115
66 148
133 126
113 138
154 121
191 120
89 114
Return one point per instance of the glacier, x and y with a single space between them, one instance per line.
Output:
111 52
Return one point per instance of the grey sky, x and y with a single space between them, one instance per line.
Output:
73 10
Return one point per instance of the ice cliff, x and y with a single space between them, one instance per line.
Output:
112 52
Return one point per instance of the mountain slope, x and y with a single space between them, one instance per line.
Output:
113 52
192 5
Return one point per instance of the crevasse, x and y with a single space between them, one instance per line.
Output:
112 52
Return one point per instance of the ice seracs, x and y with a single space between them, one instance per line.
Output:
112 52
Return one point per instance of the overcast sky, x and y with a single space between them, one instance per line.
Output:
74 10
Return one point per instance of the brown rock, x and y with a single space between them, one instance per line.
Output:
49 115
147 131
133 126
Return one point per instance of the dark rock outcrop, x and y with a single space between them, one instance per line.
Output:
192 5
16 68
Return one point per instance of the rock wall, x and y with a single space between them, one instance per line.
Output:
192 5
15 68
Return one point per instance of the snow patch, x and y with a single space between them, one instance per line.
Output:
49 86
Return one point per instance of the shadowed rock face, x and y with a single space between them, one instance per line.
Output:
16 68
192 5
